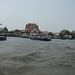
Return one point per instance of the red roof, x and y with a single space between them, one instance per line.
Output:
44 32
30 26
23 31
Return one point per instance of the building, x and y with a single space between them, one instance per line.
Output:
30 29
4 30
44 32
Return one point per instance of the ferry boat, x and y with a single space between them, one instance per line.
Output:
40 37
2 38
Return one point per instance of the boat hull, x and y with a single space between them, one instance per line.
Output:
25 36
2 38
45 39
41 37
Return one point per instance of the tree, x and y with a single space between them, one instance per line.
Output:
50 33
73 32
2 31
65 32
11 32
17 32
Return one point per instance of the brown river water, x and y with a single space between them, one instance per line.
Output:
22 56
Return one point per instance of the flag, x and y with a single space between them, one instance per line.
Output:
0 24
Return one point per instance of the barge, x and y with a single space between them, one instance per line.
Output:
40 37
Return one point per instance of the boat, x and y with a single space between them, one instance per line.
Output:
2 38
66 38
25 36
40 37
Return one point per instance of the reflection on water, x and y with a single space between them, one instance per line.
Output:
22 56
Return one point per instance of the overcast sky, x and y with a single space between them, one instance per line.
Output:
49 15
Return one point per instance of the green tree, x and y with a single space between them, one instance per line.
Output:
17 30
65 32
50 33
2 31
73 32
11 31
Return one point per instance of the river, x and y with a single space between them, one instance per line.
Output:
22 56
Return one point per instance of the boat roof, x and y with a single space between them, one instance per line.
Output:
39 35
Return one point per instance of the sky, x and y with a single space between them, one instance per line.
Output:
49 15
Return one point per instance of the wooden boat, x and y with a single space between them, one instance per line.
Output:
2 38
40 37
